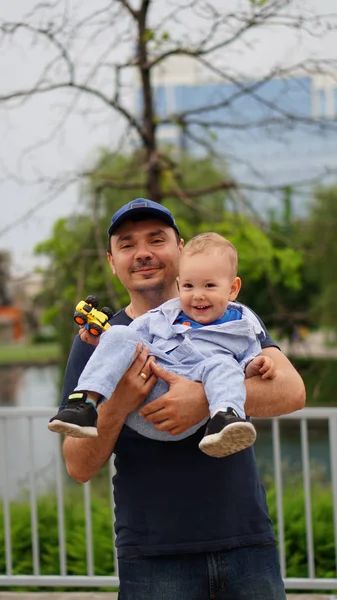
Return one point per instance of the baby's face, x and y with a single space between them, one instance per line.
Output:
206 284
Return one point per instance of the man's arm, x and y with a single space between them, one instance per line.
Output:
85 457
281 395
185 404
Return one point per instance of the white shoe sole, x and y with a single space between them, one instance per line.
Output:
232 438
72 429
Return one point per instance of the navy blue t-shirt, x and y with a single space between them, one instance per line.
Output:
171 498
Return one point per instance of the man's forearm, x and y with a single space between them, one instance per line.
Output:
85 457
283 394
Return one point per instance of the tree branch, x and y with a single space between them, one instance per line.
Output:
127 5
83 88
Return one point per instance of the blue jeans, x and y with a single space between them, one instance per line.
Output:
250 573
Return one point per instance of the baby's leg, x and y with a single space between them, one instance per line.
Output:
228 431
112 357
79 416
108 363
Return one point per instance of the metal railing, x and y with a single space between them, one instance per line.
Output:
33 463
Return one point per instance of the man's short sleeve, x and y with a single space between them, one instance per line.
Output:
79 355
265 339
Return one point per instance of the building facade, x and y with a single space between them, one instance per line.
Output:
279 132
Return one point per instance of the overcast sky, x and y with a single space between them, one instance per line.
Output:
31 149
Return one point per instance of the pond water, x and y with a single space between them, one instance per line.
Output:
39 387
28 387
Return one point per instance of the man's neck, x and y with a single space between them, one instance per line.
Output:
141 303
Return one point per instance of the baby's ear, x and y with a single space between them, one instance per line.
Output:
177 280
235 288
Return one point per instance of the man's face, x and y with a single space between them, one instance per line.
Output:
206 284
145 255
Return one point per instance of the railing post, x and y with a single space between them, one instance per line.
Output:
88 529
333 463
60 513
279 493
33 501
112 472
6 504
307 497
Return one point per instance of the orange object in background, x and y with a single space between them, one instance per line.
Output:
14 316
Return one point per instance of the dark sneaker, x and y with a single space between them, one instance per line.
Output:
226 433
77 419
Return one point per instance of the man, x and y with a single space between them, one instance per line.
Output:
169 546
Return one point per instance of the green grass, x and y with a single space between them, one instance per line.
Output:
29 353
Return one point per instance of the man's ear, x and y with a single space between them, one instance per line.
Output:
235 288
111 263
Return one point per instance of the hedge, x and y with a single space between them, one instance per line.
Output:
294 520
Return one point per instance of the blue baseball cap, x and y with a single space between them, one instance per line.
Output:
143 208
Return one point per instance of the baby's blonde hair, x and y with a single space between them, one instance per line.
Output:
205 242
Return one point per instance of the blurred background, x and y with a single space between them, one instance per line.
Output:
225 112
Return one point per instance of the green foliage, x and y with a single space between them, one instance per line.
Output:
295 529
259 256
271 268
323 252
75 269
283 295
258 3
319 376
21 537
294 522
76 251
148 35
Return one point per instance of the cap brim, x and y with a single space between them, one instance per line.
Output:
135 213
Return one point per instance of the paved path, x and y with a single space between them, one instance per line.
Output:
113 596
59 596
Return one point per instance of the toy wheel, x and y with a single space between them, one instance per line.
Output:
107 311
79 318
94 329
92 300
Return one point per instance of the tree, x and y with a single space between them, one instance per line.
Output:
91 53
77 263
112 56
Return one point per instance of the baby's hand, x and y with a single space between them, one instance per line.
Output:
261 365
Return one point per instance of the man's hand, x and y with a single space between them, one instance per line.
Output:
87 337
137 381
183 406
261 365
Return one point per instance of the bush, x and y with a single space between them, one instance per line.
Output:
21 537
294 522
295 530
